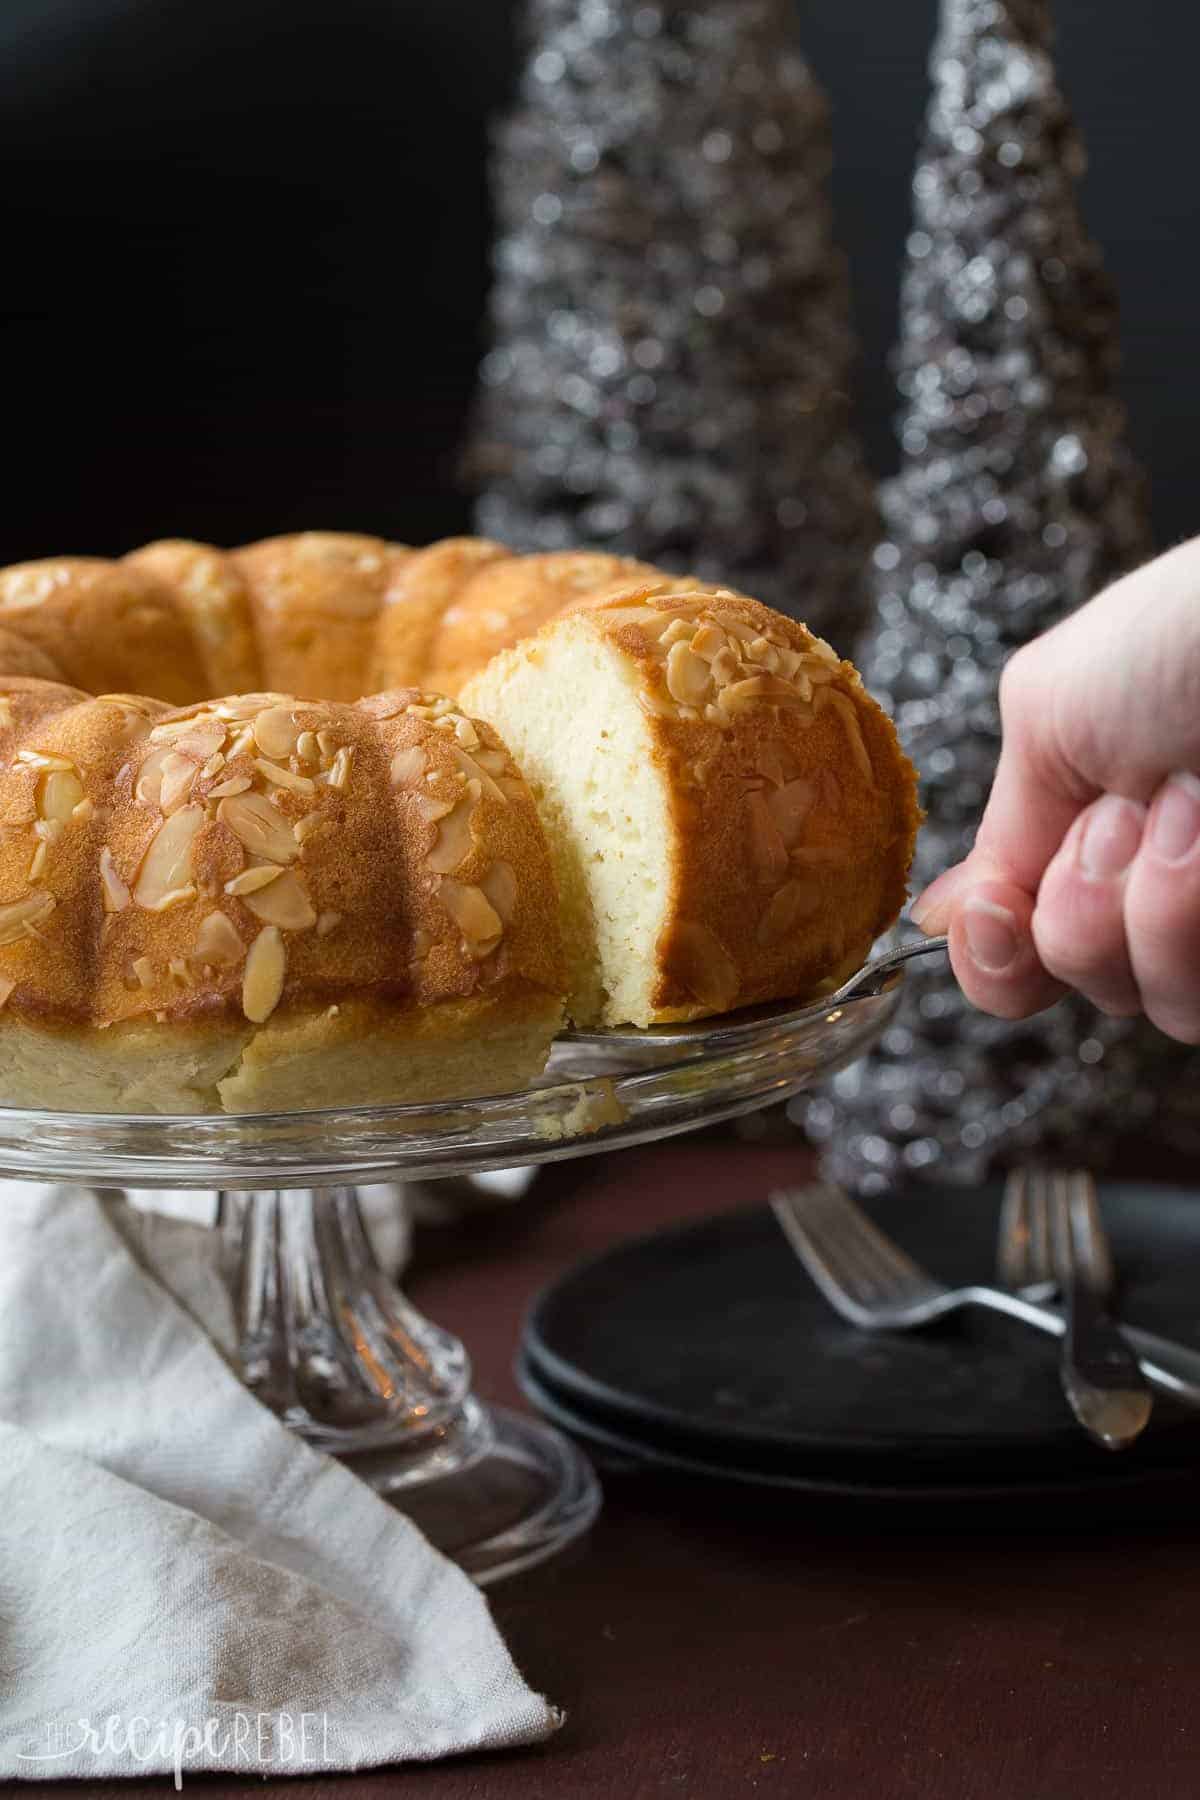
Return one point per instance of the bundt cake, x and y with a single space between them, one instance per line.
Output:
297 897
730 814
325 903
320 612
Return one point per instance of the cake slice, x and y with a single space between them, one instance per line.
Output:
730 815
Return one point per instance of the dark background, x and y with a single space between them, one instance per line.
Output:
244 248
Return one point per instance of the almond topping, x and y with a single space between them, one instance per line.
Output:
790 806
767 848
299 784
62 792
466 734
143 969
37 862
500 887
339 774
116 893
259 826
250 880
283 903
474 915
39 759
688 676
166 873
217 940
327 922
177 774
236 784
262 981
454 842
793 901
20 917
307 747
276 732
705 966
6 988
431 809
408 765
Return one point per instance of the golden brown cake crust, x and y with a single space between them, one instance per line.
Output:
785 778
214 598
509 598
317 597
263 858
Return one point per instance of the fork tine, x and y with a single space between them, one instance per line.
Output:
870 1268
812 1252
1013 1255
1041 1250
1089 1239
1058 1214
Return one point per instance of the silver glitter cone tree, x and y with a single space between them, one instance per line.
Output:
671 339
1017 500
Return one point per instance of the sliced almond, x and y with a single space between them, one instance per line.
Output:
19 917
466 734
339 773
61 793
284 778
148 785
42 759
6 988
705 966
327 922
688 676
408 765
454 841
166 872
474 915
708 641
143 970
307 748
472 767
431 809
283 903
500 887
790 806
175 783
492 762
115 891
768 852
262 981
236 784
260 827
251 880
276 732
217 940
792 902
848 714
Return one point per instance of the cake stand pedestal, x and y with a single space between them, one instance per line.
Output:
337 1352
328 1342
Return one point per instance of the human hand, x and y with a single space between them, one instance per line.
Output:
1086 869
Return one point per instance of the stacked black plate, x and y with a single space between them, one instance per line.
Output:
706 1350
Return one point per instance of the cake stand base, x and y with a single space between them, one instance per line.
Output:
333 1347
527 1496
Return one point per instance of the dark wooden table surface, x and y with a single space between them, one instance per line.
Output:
714 1641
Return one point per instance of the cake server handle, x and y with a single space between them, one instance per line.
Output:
872 977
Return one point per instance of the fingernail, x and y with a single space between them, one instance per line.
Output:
1175 826
1112 833
919 908
991 934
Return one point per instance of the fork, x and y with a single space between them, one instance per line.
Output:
873 1284
1052 1237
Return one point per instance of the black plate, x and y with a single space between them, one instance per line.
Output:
1113 1485
709 1343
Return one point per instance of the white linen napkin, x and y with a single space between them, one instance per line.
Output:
184 1584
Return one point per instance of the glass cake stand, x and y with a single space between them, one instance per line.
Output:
328 1342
